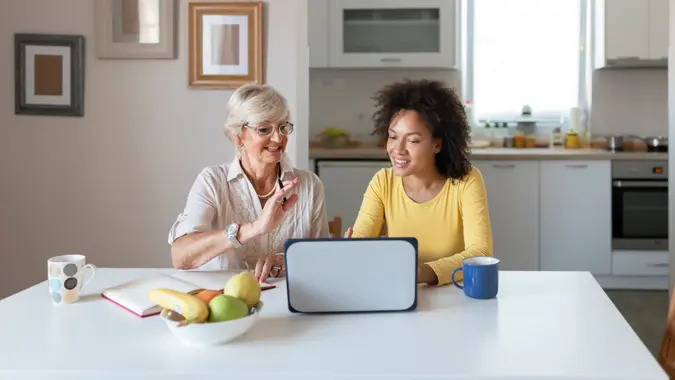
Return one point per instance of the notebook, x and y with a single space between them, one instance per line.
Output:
133 295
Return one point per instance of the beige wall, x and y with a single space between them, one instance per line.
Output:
630 102
110 184
624 101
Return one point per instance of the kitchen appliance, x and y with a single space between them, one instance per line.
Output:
615 143
656 143
640 205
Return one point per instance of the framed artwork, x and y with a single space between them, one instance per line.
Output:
143 29
49 74
225 44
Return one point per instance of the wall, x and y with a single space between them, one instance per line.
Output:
624 101
342 98
109 184
630 102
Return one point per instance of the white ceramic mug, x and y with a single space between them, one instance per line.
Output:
66 277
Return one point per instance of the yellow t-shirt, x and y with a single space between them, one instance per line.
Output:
452 226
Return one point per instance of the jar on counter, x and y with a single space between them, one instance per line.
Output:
519 140
572 140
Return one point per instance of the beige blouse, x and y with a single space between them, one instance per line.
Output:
222 195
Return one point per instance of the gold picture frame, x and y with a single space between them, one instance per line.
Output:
136 29
225 44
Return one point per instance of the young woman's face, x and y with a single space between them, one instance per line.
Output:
410 146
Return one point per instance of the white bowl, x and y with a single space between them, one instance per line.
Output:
212 333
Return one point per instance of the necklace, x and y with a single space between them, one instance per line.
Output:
276 184
268 194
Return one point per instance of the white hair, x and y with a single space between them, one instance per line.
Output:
252 104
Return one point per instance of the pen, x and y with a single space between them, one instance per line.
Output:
281 185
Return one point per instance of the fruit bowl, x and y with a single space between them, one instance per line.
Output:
210 333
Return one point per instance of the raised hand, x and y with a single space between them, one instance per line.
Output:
275 209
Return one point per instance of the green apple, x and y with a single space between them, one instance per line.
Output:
226 308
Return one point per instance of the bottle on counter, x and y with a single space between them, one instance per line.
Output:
557 138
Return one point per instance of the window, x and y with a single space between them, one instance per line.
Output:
525 52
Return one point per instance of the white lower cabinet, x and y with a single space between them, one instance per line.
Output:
345 182
576 216
513 203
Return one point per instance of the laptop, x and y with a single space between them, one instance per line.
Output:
356 275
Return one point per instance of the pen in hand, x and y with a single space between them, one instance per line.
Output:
281 186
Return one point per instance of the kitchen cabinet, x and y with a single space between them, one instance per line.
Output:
659 13
644 44
576 216
317 12
513 202
393 33
345 182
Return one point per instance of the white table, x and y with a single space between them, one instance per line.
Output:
544 325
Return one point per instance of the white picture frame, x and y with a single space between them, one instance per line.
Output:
120 33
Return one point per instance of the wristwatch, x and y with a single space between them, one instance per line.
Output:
231 232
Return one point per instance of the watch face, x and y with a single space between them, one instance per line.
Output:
231 229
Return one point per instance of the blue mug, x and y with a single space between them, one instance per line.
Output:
481 277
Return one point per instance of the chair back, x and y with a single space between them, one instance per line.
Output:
667 353
335 227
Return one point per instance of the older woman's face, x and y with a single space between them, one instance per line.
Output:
410 145
265 142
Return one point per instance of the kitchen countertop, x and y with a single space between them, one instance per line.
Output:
375 153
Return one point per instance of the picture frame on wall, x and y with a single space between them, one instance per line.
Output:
225 44
49 74
136 29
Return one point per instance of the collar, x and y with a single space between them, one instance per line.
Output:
234 169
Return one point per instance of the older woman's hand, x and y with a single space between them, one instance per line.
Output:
275 209
269 265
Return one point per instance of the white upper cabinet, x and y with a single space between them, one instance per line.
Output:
393 33
631 33
317 12
658 30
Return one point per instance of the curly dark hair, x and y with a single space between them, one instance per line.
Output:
443 112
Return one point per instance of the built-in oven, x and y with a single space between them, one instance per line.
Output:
640 205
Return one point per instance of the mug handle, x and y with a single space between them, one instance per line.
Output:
92 269
453 277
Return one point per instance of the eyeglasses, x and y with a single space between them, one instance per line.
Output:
265 130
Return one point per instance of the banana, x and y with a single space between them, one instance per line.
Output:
192 308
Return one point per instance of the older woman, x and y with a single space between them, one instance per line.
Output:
239 214
431 192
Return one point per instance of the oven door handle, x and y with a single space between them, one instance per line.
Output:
637 184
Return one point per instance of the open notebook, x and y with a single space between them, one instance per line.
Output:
133 295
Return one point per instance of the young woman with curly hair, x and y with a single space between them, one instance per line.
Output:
431 192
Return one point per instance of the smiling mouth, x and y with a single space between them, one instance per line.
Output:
400 163
273 149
